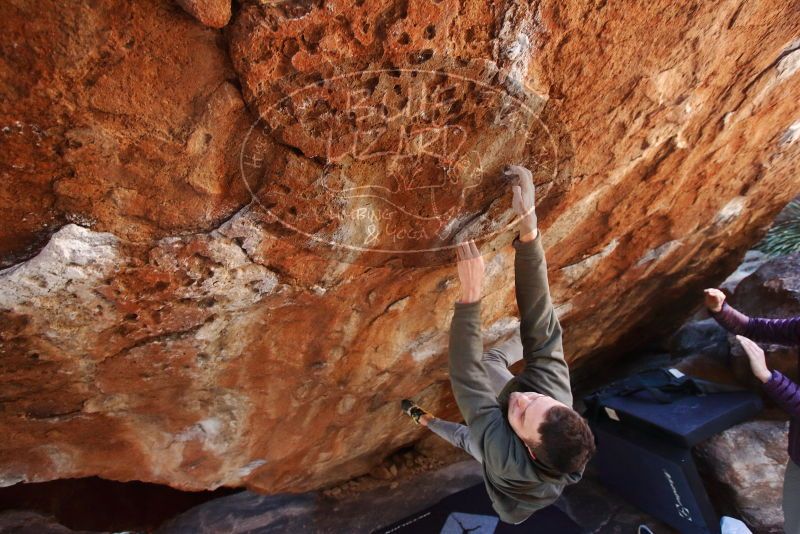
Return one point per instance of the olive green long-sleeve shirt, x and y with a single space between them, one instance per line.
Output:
517 484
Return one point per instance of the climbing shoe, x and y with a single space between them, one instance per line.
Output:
412 410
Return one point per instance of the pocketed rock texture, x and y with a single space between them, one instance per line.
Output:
195 302
122 117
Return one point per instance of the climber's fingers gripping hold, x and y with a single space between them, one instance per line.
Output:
523 179
524 197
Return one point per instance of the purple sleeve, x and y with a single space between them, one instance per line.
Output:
731 319
784 392
783 331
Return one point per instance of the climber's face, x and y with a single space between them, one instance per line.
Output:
526 411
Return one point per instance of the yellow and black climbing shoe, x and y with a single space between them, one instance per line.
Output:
412 410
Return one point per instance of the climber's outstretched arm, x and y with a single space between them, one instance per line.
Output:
545 370
477 402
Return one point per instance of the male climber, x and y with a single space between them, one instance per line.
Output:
521 428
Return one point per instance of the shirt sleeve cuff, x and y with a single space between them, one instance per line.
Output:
721 311
527 247
774 381
725 317
468 305
776 376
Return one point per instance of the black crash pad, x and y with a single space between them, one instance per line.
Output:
470 511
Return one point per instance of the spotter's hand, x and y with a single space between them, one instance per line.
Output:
714 299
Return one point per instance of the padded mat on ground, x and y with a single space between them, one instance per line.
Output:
470 510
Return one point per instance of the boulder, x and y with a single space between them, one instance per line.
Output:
748 462
703 338
230 254
753 259
25 521
773 290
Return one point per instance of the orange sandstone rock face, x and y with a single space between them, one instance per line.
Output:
122 117
215 13
229 253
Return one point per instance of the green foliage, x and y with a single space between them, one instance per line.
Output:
784 235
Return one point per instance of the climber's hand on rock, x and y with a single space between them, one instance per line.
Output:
524 196
470 271
755 354
714 299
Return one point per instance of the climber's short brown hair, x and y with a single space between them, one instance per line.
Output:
567 442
